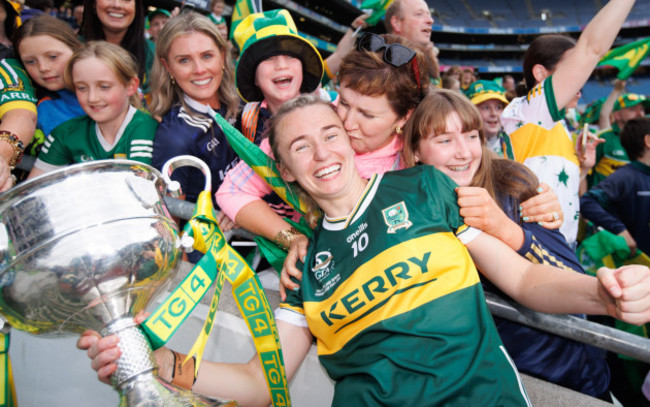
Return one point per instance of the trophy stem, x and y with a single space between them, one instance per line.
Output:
137 356
136 379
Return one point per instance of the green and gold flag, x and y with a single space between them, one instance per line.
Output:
241 10
379 7
627 57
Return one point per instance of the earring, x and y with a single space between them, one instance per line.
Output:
172 79
398 130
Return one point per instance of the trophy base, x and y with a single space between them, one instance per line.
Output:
149 390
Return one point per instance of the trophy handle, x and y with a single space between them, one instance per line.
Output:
174 187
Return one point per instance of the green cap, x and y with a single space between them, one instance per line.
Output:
482 90
262 35
630 100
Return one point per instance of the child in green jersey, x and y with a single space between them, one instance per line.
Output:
104 78
389 290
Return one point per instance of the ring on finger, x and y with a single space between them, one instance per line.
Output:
556 216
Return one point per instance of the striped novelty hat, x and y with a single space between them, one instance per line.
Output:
263 35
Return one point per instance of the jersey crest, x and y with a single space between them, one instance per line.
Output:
396 217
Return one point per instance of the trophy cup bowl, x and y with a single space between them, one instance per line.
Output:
87 247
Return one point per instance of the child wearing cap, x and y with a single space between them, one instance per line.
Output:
490 99
155 22
611 155
275 65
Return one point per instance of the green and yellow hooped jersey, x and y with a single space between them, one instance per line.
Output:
16 90
395 302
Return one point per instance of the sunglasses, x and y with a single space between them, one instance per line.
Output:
394 54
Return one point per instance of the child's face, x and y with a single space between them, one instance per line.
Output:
491 111
455 153
218 8
196 63
45 59
279 78
156 24
101 94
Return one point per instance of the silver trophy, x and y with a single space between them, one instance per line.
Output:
87 247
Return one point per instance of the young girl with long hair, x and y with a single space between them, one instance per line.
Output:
44 45
446 131
105 79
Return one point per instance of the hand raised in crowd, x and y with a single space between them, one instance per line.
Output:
297 251
586 151
543 208
626 292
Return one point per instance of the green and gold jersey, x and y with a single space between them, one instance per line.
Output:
539 139
395 303
80 140
16 90
610 155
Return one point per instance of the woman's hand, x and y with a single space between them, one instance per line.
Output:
104 351
481 211
586 150
6 181
543 208
297 251
626 292
225 223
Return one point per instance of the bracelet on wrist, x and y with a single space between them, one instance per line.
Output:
284 237
15 143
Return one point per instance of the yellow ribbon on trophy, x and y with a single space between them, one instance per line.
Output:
219 263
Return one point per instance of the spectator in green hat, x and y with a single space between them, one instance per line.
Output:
490 99
155 22
610 155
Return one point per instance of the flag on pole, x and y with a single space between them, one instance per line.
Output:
627 57
379 7
241 10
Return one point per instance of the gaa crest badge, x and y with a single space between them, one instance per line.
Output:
396 217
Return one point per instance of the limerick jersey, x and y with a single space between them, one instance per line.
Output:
610 155
538 138
395 303
16 90
80 140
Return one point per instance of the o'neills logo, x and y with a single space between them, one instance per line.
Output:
322 265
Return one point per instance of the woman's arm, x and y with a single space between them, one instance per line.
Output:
243 382
622 293
577 64
606 109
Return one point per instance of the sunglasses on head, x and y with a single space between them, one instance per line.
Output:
394 54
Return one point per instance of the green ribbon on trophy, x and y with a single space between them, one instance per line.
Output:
219 263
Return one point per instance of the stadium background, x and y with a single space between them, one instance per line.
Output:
489 36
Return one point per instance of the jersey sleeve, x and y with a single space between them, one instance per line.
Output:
141 139
16 90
